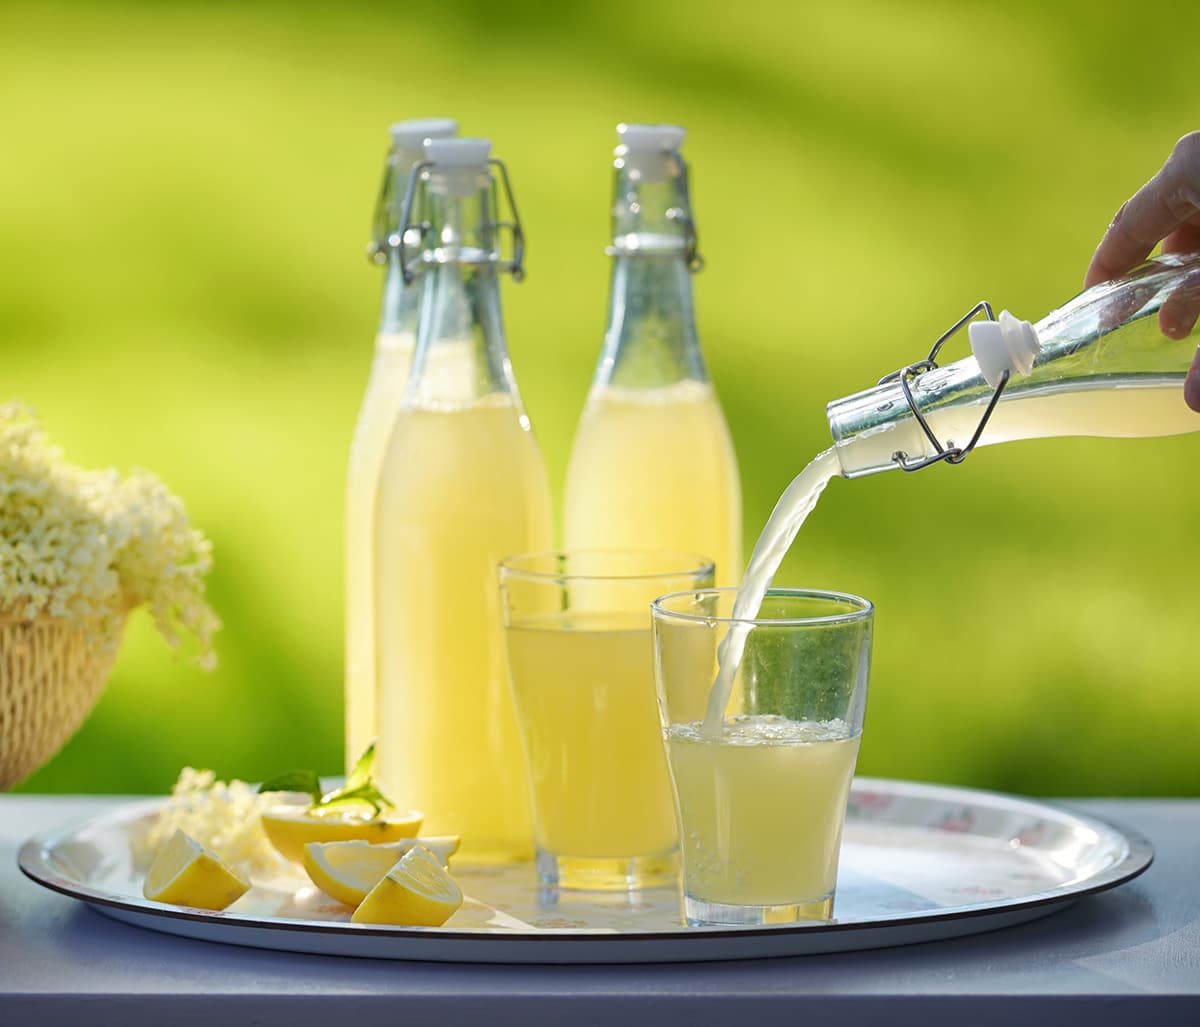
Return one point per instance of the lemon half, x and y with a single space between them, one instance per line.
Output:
346 871
290 827
416 892
187 873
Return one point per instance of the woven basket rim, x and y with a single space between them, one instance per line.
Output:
119 609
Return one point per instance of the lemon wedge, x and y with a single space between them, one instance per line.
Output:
346 871
416 892
187 873
290 827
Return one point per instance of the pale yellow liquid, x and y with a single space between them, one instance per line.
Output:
763 807
463 486
584 688
385 389
655 469
1135 408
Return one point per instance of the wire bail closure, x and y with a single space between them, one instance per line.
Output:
410 234
691 251
683 215
383 216
906 375
691 245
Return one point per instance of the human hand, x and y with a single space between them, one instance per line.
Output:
1167 210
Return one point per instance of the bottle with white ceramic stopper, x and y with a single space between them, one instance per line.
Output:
462 486
1109 363
394 343
653 465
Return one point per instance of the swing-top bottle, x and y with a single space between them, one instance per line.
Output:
1110 363
653 465
463 485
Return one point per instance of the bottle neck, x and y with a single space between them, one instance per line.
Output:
461 354
650 340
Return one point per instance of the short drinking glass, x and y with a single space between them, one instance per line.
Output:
581 663
761 780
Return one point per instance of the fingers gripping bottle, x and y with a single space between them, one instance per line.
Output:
463 485
394 344
1109 363
653 465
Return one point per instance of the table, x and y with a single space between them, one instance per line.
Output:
1131 955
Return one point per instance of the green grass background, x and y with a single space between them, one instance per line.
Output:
185 193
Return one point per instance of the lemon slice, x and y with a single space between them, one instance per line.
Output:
416 892
186 873
346 871
291 827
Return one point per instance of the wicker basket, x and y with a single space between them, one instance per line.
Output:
51 675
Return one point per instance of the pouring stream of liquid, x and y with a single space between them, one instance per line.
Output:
790 512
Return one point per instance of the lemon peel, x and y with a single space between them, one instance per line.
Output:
289 827
347 871
416 892
186 873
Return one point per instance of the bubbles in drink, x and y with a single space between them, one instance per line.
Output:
765 729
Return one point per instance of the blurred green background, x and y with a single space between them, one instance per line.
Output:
185 194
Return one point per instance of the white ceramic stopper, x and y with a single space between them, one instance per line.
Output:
411 135
649 150
651 137
458 154
1006 344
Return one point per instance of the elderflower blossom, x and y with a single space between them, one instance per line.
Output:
226 816
87 546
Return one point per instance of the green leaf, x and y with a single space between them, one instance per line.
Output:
363 795
295 781
361 773
359 789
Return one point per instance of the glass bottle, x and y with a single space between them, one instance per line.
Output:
463 485
1102 365
394 344
653 465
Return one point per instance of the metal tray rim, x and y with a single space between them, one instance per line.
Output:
35 854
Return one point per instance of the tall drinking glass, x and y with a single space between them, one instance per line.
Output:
581 663
761 783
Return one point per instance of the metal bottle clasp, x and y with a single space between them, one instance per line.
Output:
906 375
411 234
382 217
695 262
682 214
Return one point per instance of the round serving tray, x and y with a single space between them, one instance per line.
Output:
919 863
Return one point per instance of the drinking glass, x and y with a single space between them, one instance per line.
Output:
761 782
581 664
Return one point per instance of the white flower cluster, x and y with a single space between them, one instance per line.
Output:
87 546
224 815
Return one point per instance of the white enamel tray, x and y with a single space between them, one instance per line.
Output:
919 863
